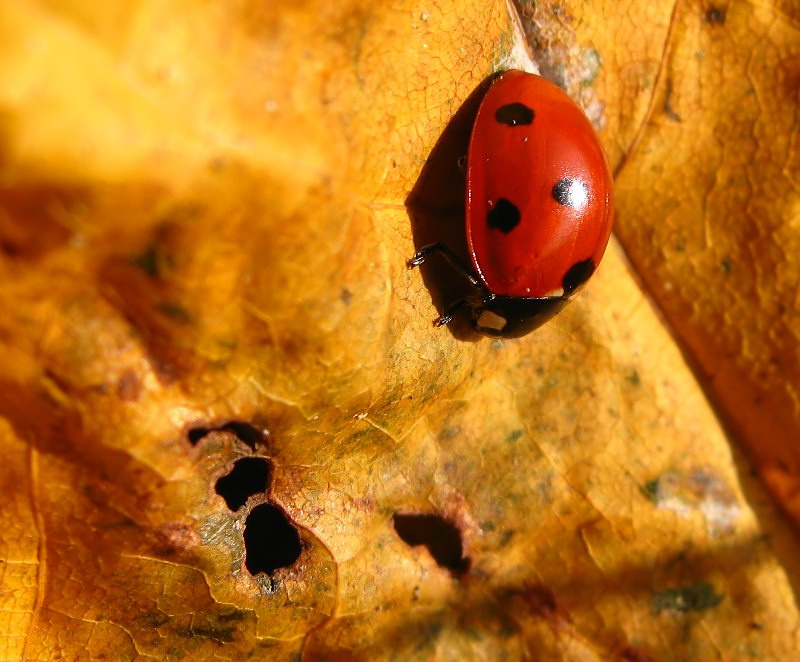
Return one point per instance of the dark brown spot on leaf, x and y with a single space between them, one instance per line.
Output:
442 538
716 16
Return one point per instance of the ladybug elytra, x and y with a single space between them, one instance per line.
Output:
539 207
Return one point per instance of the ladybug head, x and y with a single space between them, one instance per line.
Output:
511 317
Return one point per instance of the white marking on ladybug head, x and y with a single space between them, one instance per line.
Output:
489 320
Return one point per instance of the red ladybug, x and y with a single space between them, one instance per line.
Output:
539 207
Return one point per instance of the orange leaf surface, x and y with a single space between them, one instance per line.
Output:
229 428
717 162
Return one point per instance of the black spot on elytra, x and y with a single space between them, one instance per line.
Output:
249 476
270 540
577 275
514 114
442 538
564 191
503 216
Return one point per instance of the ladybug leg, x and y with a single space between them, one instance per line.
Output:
455 261
450 312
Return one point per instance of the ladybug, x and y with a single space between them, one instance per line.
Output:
539 207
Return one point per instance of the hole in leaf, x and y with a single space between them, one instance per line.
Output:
196 434
249 476
245 432
442 538
270 540
249 434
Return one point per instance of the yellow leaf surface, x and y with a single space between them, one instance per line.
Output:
229 428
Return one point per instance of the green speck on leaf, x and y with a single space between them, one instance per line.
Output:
430 632
474 634
515 435
504 47
591 65
697 597
233 616
226 343
650 490
148 261
153 619
634 379
221 635
175 311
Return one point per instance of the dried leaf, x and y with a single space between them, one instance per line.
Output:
229 428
